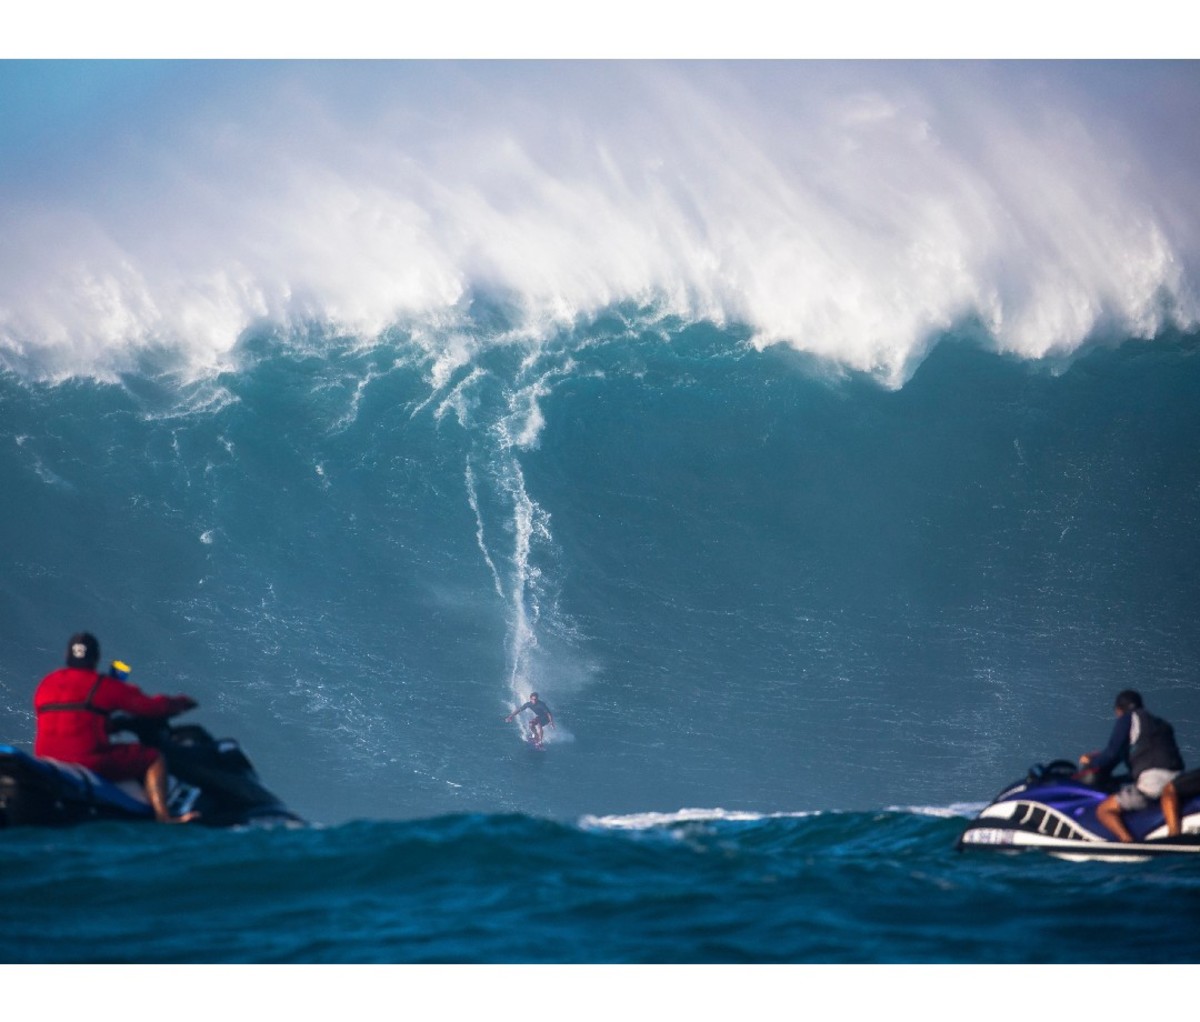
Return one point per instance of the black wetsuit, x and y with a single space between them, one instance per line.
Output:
540 710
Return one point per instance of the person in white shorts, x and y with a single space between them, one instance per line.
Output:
1147 744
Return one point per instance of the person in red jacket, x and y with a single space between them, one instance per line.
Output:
73 706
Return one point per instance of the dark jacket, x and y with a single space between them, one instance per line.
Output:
1154 748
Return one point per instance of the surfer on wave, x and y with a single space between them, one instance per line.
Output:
541 717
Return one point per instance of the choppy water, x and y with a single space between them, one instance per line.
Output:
691 887
852 465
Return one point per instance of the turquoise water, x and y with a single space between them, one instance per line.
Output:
818 494
692 888
816 597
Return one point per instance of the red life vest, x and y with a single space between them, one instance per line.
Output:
73 705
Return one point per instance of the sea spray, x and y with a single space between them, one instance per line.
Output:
852 210
497 405
818 438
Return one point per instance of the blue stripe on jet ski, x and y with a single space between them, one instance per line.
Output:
86 785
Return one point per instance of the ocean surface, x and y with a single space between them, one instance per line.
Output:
665 889
819 441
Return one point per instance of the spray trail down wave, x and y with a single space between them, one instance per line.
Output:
497 404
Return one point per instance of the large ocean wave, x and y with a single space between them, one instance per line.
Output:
359 401
856 211
735 580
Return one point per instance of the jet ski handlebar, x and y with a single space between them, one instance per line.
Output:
1069 770
147 730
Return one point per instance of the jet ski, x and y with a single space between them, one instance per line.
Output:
206 775
1054 810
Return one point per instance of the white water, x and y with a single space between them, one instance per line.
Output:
851 210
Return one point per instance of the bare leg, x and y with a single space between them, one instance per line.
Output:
156 789
1109 814
1170 809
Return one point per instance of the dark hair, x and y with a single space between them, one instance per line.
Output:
83 650
1127 700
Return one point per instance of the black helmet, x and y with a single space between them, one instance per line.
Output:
83 650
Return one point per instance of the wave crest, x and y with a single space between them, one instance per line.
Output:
854 211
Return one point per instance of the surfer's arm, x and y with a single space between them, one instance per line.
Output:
516 711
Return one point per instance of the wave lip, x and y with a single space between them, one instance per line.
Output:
852 211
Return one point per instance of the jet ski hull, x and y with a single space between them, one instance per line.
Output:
41 792
209 776
1054 811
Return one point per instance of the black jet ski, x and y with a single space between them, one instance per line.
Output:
1054 810
206 775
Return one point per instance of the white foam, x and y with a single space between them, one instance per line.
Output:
656 820
852 211
955 809
473 500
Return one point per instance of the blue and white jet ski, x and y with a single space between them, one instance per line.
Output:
207 775
1054 810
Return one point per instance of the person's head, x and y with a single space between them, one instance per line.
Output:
533 697
1127 700
83 650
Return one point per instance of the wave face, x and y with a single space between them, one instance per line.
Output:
736 581
809 436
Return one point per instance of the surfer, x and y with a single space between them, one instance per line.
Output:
541 717
73 706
